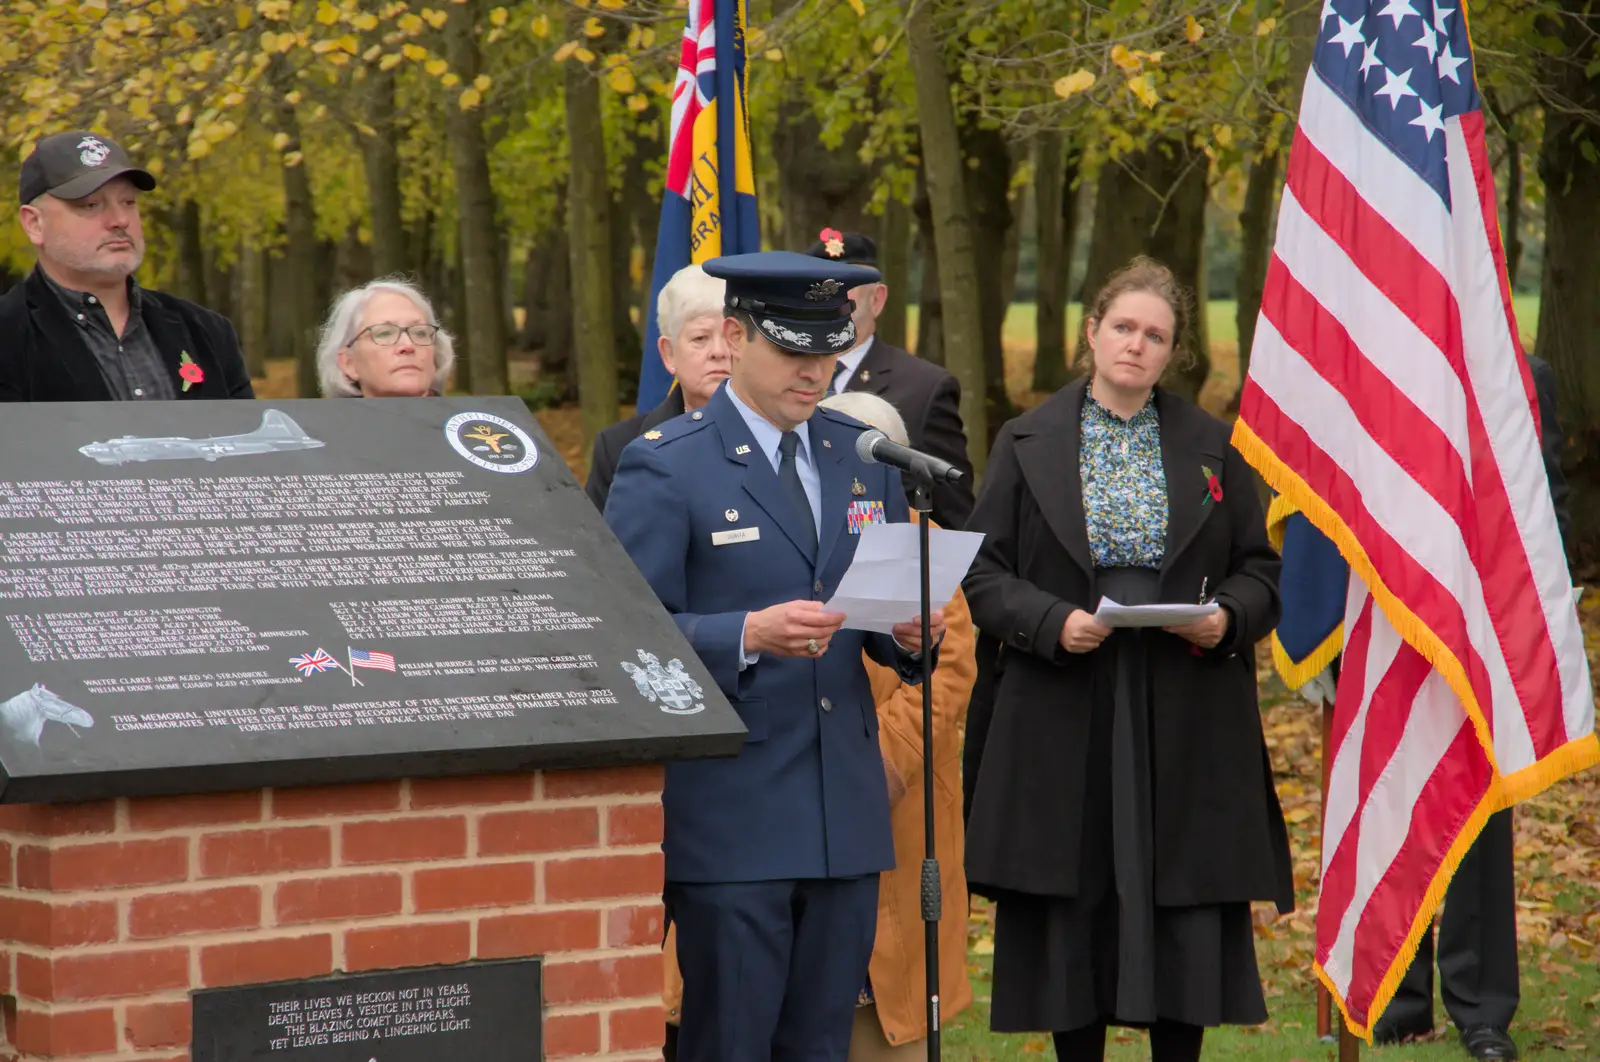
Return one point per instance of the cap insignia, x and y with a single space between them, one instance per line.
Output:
832 242
843 336
92 151
824 290
788 335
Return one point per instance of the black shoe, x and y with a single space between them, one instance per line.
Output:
1488 1043
1388 1033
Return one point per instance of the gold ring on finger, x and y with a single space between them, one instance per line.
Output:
812 647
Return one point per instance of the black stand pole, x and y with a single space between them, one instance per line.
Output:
922 502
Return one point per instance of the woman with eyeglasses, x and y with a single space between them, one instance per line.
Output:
382 340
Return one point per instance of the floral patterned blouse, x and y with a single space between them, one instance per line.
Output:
1124 486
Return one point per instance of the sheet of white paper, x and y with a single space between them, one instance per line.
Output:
1112 614
883 585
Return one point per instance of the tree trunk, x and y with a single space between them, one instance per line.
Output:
592 274
988 186
191 253
1255 249
381 165
1153 202
930 304
1056 217
484 325
962 316
300 266
1569 305
252 302
818 187
894 262
1511 223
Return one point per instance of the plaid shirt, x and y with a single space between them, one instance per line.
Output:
130 363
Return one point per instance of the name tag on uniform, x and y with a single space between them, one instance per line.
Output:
863 514
738 534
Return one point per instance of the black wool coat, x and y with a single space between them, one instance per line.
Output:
1218 829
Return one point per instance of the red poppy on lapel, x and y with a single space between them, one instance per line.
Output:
188 371
1213 484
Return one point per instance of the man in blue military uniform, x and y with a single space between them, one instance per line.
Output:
743 516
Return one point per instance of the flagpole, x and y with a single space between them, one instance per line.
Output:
1349 1046
351 669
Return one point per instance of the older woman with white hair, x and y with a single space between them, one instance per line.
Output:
689 312
382 340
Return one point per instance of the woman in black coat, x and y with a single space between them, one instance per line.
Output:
1123 815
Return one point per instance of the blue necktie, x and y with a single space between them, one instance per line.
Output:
833 384
789 476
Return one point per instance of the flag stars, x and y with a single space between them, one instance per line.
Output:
1396 87
1439 15
1429 41
1430 120
1369 58
1399 10
1328 12
1448 64
1349 35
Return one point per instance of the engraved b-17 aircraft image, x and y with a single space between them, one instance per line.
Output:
278 432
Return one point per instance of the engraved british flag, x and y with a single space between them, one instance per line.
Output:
312 663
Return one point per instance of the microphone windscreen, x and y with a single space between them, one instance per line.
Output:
865 442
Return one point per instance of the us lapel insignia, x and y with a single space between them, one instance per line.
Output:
732 515
652 435
741 449
857 487
865 375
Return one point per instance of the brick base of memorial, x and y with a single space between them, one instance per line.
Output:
113 914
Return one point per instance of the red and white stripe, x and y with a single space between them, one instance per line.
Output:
1387 383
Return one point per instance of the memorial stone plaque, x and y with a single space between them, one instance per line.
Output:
486 1012
223 595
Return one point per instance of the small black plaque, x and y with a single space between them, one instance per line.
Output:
488 1012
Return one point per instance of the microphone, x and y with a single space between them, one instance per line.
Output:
876 448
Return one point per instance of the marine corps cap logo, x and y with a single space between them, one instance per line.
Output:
92 151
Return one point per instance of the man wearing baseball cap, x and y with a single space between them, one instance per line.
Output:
80 328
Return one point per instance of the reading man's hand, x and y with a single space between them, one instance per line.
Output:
909 634
791 629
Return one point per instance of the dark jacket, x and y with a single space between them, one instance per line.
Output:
608 445
1552 441
928 399
1219 830
44 359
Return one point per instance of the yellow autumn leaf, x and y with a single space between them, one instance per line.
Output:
436 19
436 67
1192 30
1266 26
621 79
415 52
583 55
879 43
293 159
185 115
859 8
280 141
773 55
269 41
566 50
327 14
199 148
498 16
243 16
469 99
293 98
637 103
647 38
365 21
613 5
1128 61
372 53
1142 88
540 27
409 23
390 61
201 61
482 82
593 27
1074 83
1223 134
139 107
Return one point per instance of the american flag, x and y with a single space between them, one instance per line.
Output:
1388 400
312 663
372 659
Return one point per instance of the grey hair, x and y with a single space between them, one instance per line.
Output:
872 411
691 293
346 314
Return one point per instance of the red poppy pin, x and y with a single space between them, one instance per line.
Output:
188 371
1213 484
832 242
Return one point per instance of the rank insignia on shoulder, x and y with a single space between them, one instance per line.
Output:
857 487
652 435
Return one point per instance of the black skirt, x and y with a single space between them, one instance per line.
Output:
1110 954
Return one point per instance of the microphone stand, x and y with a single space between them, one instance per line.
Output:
922 502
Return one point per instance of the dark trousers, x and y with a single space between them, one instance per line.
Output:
772 970
1477 943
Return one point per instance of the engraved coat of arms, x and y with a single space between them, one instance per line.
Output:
671 686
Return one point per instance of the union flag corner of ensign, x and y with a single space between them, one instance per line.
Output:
1388 400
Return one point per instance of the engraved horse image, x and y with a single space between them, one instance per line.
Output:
25 715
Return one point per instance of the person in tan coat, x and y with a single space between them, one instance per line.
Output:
891 1022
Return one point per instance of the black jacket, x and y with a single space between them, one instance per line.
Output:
1219 830
44 359
1552 440
929 400
609 444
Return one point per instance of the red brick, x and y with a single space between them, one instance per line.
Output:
276 959
593 980
172 914
403 840
124 973
634 927
634 824
595 878
59 820
607 781
567 1035
351 896
362 798
202 809
58 925
556 830
639 1029
59 1034
479 789
268 851
481 885
424 944
106 865
6 876
512 936
158 1024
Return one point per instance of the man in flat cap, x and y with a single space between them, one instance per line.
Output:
80 328
927 397
743 517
